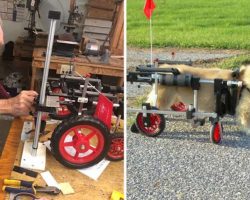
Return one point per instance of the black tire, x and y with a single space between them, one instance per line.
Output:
154 129
101 137
134 128
216 132
116 150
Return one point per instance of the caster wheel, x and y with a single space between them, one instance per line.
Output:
134 128
216 132
80 142
116 150
156 126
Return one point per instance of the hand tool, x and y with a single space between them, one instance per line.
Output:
27 172
17 186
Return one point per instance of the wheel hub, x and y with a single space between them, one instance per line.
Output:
117 145
80 143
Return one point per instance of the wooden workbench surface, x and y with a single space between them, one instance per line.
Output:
84 187
9 153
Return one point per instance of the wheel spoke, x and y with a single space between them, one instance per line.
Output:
76 132
68 144
92 148
76 155
90 135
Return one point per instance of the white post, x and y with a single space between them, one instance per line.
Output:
151 37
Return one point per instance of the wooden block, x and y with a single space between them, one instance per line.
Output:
66 188
96 36
118 35
104 4
98 23
90 29
98 13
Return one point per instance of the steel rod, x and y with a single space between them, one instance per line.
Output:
196 100
44 83
168 112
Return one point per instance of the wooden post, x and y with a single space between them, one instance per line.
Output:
118 34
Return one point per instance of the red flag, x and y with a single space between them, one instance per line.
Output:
149 8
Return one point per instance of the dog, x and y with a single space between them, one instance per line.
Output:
168 95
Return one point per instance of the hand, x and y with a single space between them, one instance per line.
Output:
22 104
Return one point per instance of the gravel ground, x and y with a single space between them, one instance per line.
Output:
181 163
142 56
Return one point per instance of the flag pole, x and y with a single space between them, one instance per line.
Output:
151 36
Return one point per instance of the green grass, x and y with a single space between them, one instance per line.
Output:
232 63
216 24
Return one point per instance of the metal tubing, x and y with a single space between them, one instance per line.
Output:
156 85
84 92
44 83
229 83
237 83
167 112
196 100
206 81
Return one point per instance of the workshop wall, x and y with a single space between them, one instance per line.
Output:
14 29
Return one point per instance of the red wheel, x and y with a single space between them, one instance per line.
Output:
156 126
80 142
216 133
116 150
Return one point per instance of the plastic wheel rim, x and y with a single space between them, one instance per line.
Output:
154 127
116 148
217 133
81 144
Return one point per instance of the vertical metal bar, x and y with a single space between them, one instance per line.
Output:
196 100
156 85
44 82
151 40
84 92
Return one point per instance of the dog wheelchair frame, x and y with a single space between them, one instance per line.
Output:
82 139
85 107
151 121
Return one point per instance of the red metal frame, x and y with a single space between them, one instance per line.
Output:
104 110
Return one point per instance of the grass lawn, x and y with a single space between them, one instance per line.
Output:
233 62
217 24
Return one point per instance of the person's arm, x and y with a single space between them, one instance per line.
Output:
20 105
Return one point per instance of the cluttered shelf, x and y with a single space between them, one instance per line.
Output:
83 65
82 187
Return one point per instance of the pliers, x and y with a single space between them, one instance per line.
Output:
20 186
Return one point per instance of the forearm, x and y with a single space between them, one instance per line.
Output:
5 106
